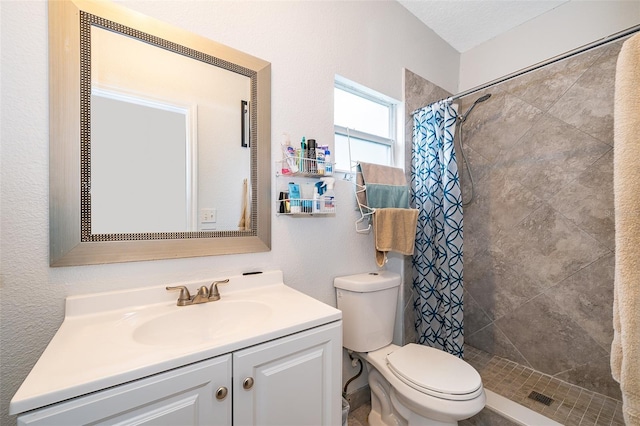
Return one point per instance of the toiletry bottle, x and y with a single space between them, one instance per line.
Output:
289 165
311 150
316 199
329 196
306 190
320 159
294 195
303 155
328 165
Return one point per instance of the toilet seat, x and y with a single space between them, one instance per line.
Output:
435 372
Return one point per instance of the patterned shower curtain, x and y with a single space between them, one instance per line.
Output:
437 260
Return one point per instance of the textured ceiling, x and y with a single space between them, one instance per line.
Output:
465 24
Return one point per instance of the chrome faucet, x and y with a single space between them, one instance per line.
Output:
204 294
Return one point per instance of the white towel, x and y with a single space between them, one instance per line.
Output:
625 349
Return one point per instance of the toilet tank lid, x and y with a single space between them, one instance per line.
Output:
367 282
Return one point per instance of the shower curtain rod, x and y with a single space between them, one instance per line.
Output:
539 65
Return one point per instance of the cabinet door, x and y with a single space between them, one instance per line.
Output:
294 380
184 396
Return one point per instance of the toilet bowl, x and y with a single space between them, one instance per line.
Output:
455 393
411 385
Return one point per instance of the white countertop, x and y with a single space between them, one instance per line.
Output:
95 349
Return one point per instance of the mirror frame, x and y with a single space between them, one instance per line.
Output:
69 144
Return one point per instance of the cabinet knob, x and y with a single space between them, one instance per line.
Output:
247 383
221 393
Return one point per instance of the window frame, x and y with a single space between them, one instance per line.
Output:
370 95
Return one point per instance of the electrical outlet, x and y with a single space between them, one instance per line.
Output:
208 215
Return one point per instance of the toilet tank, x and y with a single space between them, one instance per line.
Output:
368 304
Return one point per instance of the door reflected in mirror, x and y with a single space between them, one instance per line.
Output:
139 166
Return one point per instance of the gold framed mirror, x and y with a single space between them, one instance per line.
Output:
89 227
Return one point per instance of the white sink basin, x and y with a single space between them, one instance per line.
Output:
195 324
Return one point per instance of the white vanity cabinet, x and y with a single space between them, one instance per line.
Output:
184 396
264 354
293 380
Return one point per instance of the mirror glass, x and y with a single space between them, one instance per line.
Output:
160 140
166 140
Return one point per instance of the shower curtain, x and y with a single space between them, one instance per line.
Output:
437 260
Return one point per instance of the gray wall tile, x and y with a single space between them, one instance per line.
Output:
543 87
550 155
588 302
492 340
586 105
548 338
588 201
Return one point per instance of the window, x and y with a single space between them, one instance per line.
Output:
364 126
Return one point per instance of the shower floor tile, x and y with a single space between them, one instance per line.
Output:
570 405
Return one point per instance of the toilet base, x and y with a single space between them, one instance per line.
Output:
387 410
393 403
375 419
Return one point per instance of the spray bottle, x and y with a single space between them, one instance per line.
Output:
329 196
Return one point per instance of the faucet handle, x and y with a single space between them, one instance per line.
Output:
203 291
214 294
184 297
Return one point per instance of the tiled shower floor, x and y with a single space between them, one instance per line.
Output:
571 404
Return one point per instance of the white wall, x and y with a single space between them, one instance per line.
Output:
567 27
307 43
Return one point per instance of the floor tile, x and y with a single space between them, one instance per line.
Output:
571 404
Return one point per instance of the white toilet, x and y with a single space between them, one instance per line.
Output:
411 385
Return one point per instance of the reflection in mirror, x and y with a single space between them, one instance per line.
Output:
170 166
140 180
156 157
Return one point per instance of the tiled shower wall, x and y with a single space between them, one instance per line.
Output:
539 232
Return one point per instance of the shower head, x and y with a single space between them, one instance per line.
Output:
480 99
